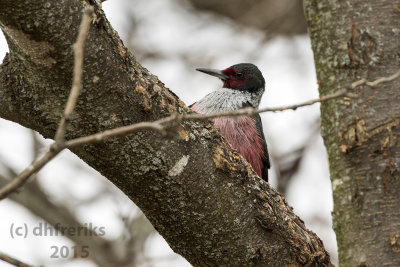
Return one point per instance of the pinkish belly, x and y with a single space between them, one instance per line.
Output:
242 134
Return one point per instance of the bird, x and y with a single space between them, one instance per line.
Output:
243 86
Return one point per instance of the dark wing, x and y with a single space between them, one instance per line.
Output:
266 163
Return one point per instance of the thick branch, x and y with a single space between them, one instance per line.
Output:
194 188
77 77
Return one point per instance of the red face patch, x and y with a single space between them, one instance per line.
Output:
237 79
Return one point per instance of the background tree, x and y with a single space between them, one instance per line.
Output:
360 40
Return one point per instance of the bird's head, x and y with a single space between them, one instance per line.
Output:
242 77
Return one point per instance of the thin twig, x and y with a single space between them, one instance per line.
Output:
77 75
120 131
13 261
253 111
58 146
34 167
161 125
377 81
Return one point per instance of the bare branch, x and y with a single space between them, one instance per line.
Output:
102 251
250 111
13 261
161 125
34 167
120 131
54 149
377 81
77 76
253 111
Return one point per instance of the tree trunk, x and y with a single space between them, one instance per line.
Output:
354 40
194 188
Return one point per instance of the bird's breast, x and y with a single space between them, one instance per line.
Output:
225 99
242 134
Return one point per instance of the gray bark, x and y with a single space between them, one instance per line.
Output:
213 209
353 40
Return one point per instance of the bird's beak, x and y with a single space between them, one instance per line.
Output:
213 72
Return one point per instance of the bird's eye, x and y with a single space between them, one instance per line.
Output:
238 74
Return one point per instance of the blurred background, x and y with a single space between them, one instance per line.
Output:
171 38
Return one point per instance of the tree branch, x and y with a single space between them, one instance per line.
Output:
13 261
377 81
34 167
161 125
34 199
58 146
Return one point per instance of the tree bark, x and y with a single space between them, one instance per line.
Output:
194 188
353 40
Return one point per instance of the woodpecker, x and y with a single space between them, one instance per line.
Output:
243 86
